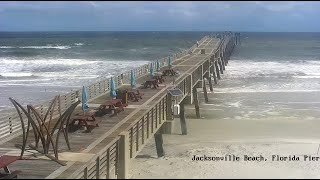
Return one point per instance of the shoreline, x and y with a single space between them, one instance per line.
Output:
220 133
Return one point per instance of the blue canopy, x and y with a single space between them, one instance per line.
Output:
133 80
169 61
151 70
84 99
113 92
158 65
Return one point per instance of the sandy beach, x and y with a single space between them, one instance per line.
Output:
238 138
251 123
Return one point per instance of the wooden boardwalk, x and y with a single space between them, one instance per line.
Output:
106 151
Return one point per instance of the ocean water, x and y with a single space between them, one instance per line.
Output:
270 76
35 66
267 103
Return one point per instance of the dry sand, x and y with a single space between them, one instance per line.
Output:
219 135
216 141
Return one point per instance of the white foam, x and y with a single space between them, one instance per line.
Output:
45 47
236 104
46 61
6 47
245 68
16 74
79 44
61 71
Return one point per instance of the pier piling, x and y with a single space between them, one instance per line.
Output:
217 70
159 143
196 102
124 156
205 93
210 82
183 118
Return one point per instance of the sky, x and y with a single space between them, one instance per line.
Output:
265 16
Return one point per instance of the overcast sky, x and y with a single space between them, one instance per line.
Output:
276 16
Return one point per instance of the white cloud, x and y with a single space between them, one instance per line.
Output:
280 6
93 4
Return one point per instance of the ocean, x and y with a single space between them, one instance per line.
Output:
271 76
35 66
267 103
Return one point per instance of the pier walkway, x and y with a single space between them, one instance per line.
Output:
107 150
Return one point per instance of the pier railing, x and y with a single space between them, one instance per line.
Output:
101 166
136 135
10 126
138 131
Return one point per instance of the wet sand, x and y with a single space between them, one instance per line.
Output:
245 123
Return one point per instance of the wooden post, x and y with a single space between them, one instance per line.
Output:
169 107
222 57
220 65
183 118
167 126
205 91
210 82
225 57
217 69
159 142
196 102
213 72
124 156
98 168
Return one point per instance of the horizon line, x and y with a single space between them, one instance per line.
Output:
160 31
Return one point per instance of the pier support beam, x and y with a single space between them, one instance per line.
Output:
213 72
220 65
210 81
222 58
124 156
205 93
159 142
225 57
196 102
183 118
217 69
167 126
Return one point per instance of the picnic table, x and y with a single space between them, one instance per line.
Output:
151 82
134 95
112 106
87 120
5 161
159 78
169 71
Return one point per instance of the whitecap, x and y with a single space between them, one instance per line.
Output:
16 74
45 47
6 47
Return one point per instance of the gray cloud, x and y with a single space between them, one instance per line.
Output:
165 15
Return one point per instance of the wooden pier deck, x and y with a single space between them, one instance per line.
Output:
106 151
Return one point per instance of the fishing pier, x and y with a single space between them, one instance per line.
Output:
106 151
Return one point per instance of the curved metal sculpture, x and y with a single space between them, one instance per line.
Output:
42 127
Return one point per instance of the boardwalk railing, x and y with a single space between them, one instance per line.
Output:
101 166
136 136
138 132
10 126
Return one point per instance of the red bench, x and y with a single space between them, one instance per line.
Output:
5 161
